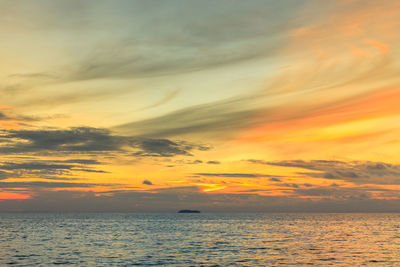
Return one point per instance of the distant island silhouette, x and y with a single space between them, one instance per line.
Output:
189 211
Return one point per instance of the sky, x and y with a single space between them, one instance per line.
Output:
221 106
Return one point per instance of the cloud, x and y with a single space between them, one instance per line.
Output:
3 116
213 162
163 148
35 166
271 108
4 175
120 62
224 34
359 172
83 161
345 194
46 169
220 116
88 140
147 182
273 179
39 184
90 170
168 97
188 44
76 142
322 41
38 75
7 117
182 161
238 175
80 139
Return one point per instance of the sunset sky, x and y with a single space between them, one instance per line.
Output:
214 105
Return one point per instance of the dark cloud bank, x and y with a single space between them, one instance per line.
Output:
87 140
74 143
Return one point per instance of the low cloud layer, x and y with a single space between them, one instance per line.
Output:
359 172
174 199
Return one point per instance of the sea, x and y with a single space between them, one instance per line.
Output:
205 239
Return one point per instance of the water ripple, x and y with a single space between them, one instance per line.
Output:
199 239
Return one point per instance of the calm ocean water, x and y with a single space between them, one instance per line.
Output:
200 239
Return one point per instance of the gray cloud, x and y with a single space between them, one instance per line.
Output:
81 139
83 161
37 75
163 148
238 175
45 169
223 34
3 116
213 162
168 97
147 182
4 175
87 140
35 166
220 116
336 193
90 170
228 116
119 61
273 179
181 161
38 184
360 172
7 116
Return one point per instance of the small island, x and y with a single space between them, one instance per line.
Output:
189 211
